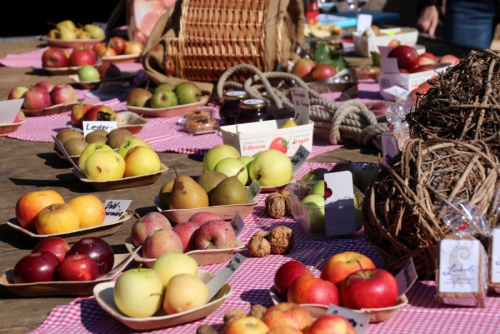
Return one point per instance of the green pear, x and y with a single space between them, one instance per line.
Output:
54 34
83 35
187 194
163 99
164 194
66 33
94 31
318 189
68 24
289 124
210 179
187 92
229 191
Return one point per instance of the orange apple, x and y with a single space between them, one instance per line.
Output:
106 52
284 329
133 48
331 323
77 112
246 325
57 218
90 210
339 266
99 46
289 314
30 204
449 59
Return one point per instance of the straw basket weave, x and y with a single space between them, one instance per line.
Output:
198 40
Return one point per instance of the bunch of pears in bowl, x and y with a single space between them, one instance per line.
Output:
67 30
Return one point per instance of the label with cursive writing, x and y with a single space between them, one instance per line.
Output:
253 190
299 158
358 320
300 99
406 277
459 266
495 256
237 223
115 208
107 126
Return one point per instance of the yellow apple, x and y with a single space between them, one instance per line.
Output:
57 218
104 166
171 264
185 292
246 325
133 48
91 148
129 144
141 160
90 210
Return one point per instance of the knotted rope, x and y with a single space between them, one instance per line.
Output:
350 121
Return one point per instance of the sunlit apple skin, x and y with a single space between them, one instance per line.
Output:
406 56
141 160
174 263
161 242
98 250
57 218
284 329
36 267
130 143
201 218
36 98
143 227
133 48
54 58
231 167
90 210
215 234
322 72
422 89
187 233
331 323
428 55
77 113
185 292
246 325
303 67
449 59
46 85
117 43
289 314
77 267
270 168
425 67
285 276
99 113
57 246
30 204
216 154
104 166
91 148
308 289
425 61
341 265
17 92
63 94
81 57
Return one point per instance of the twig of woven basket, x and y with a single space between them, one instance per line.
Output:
352 121
401 211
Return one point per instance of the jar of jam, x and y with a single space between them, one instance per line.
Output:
253 110
231 107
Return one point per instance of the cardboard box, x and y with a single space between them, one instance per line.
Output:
251 138
142 16
392 37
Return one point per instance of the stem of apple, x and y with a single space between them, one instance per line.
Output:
362 269
317 265
138 216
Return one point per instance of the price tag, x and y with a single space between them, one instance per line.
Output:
358 320
221 278
9 110
237 223
389 65
340 216
66 155
384 50
495 256
253 190
406 278
115 208
103 25
107 126
364 23
299 158
300 99
390 146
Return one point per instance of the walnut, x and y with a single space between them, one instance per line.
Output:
281 240
206 329
275 205
286 195
233 315
258 245
261 233
257 311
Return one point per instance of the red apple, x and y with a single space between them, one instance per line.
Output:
187 233
284 329
339 266
369 288
36 267
308 289
425 61
77 267
288 314
331 323
77 113
58 246
46 85
146 225
99 113
81 57
63 94
422 89
215 234
201 218
30 204
17 92
428 55
99 250
54 57
426 67
322 72
406 56
449 59
36 98
109 71
403 71
285 276
161 242
303 67
117 43
379 108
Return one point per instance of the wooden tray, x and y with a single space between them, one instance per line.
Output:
62 288
11 127
103 294
126 182
52 110
72 43
376 314
119 59
170 112
202 257
225 212
62 70
74 236
94 84
273 189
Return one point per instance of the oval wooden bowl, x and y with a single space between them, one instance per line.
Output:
11 127
171 111
72 43
52 110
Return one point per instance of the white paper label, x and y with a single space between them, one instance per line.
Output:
386 81
107 126
253 190
384 50
397 91
364 23
218 281
406 278
495 257
389 146
237 223
115 208
300 99
66 155
459 266
340 217
299 158
389 65
358 320
9 110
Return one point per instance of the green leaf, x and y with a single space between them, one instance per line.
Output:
326 54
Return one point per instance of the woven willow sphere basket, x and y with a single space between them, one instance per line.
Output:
401 211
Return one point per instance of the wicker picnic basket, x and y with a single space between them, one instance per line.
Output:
198 40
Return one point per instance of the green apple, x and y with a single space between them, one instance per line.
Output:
138 292
247 161
104 166
231 167
366 176
187 92
316 209
130 143
171 264
185 292
318 189
216 154
94 30
271 168
314 174
163 99
164 86
141 160
91 148
88 73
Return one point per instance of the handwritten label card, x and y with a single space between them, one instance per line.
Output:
107 126
364 23
459 266
115 208
390 146
221 278
495 256
406 278
9 110
237 223
253 190
340 217
300 99
358 320
299 158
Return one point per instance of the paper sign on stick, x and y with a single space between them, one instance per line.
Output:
107 126
358 320
221 278
300 99
299 158
340 217
237 223
406 278
364 23
253 190
9 110
115 208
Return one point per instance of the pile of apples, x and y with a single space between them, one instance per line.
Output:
309 71
204 230
410 62
61 58
348 279
44 94
45 212
53 260
117 46
103 71
67 30
172 284
89 112
164 96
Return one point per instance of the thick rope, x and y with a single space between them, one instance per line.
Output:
350 121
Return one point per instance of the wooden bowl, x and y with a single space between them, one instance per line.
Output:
94 84
119 59
52 110
171 111
62 70
104 296
72 43
11 127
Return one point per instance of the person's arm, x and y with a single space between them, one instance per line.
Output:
429 17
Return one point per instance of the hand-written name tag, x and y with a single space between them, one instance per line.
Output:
299 158
358 320
495 256
253 190
459 265
237 223
406 278
216 283
107 126
115 208
300 99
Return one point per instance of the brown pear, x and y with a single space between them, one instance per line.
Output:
164 194
187 194
229 191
